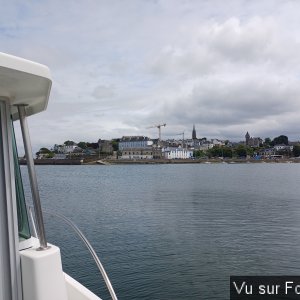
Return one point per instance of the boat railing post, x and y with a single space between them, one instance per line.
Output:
32 178
32 221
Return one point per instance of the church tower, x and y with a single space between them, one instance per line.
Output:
194 136
247 137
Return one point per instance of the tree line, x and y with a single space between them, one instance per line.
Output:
242 150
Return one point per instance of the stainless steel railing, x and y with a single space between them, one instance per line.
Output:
32 178
86 242
39 230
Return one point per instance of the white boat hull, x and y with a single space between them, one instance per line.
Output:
44 279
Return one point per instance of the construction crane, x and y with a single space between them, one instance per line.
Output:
159 129
182 133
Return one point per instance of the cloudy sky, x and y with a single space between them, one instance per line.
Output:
120 66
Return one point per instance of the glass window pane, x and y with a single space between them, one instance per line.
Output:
23 225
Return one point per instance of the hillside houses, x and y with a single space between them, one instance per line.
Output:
145 148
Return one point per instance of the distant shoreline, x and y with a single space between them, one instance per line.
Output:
157 161
202 161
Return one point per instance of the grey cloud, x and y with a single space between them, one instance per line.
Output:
105 92
214 47
121 66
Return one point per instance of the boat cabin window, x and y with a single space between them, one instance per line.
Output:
23 225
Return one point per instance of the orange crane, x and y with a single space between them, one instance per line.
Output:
159 129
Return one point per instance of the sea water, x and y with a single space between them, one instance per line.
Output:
168 232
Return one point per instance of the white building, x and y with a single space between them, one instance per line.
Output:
136 142
137 154
217 142
176 153
65 149
136 147
283 147
205 146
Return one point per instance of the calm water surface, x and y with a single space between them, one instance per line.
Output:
175 231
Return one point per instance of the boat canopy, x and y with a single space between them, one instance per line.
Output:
24 82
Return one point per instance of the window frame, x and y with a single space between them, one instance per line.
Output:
10 273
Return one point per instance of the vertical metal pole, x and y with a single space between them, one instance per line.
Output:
32 178
32 222
10 273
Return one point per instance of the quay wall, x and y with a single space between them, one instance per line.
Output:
53 162
201 161
152 161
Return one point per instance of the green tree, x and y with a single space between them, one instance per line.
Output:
82 145
50 155
44 150
220 151
241 151
46 153
227 152
268 141
296 150
115 145
282 139
250 151
198 153
216 151
69 143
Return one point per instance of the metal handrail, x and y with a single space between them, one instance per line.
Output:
86 242
32 178
35 234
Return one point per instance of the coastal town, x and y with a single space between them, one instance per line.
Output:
144 149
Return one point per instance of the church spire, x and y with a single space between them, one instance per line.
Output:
194 136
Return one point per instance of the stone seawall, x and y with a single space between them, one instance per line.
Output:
154 161
54 162
202 161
